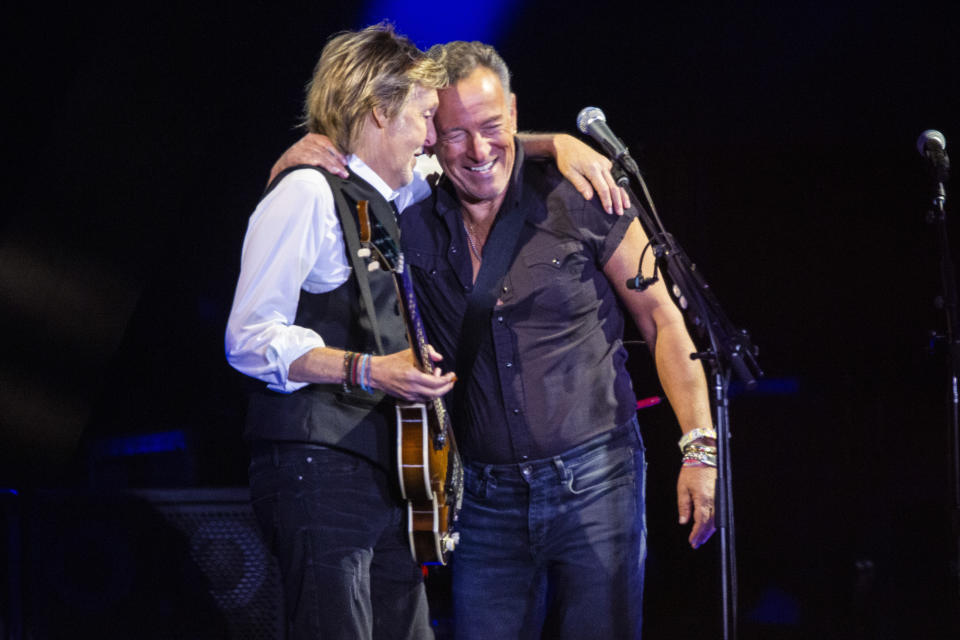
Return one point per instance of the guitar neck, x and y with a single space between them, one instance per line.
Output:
412 320
375 238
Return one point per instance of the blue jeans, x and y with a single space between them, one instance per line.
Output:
338 529
554 548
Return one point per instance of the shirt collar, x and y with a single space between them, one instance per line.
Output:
359 167
403 197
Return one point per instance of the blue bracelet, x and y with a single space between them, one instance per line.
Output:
365 373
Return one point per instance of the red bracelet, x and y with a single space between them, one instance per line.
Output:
345 378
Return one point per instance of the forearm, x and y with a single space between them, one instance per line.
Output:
683 379
586 169
539 145
395 374
322 365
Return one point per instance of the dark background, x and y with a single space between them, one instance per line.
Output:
779 145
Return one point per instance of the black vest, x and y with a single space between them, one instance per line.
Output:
355 421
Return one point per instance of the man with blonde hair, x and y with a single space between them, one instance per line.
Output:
322 333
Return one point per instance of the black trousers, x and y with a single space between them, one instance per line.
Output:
338 528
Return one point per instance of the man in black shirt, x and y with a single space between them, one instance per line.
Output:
552 527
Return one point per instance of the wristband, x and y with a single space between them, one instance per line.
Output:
697 458
345 378
354 369
695 447
365 373
696 434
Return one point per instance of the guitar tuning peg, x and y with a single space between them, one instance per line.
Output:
363 252
373 266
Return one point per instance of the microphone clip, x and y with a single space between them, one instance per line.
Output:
639 283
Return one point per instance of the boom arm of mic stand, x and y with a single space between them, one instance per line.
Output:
731 347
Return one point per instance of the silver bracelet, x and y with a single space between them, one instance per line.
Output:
696 434
695 458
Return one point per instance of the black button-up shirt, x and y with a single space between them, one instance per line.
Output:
550 372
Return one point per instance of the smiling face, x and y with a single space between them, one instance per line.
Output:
404 136
476 122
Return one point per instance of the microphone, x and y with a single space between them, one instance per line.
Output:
592 122
932 145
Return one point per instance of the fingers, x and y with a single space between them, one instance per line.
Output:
684 505
703 523
324 144
317 149
606 186
446 384
613 198
433 354
695 498
328 156
398 375
617 197
426 387
582 185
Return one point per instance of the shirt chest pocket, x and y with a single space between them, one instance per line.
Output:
549 274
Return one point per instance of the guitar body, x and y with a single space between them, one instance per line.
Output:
429 468
431 481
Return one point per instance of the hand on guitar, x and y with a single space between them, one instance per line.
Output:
398 375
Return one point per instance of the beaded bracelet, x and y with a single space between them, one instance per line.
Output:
355 370
696 434
697 458
347 364
694 447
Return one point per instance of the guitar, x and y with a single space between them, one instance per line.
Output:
430 471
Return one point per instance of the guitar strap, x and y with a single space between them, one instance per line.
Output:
351 237
498 253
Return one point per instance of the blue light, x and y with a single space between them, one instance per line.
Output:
140 444
776 607
768 387
430 22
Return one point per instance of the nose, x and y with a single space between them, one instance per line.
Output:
479 147
431 133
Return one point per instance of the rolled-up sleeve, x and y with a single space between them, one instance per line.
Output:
293 241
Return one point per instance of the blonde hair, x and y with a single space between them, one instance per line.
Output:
359 71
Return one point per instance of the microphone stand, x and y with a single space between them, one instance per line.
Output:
725 350
937 215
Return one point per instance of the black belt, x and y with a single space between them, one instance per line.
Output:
267 448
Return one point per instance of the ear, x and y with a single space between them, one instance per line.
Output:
513 112
379 117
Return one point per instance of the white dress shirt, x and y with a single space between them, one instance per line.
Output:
294 242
